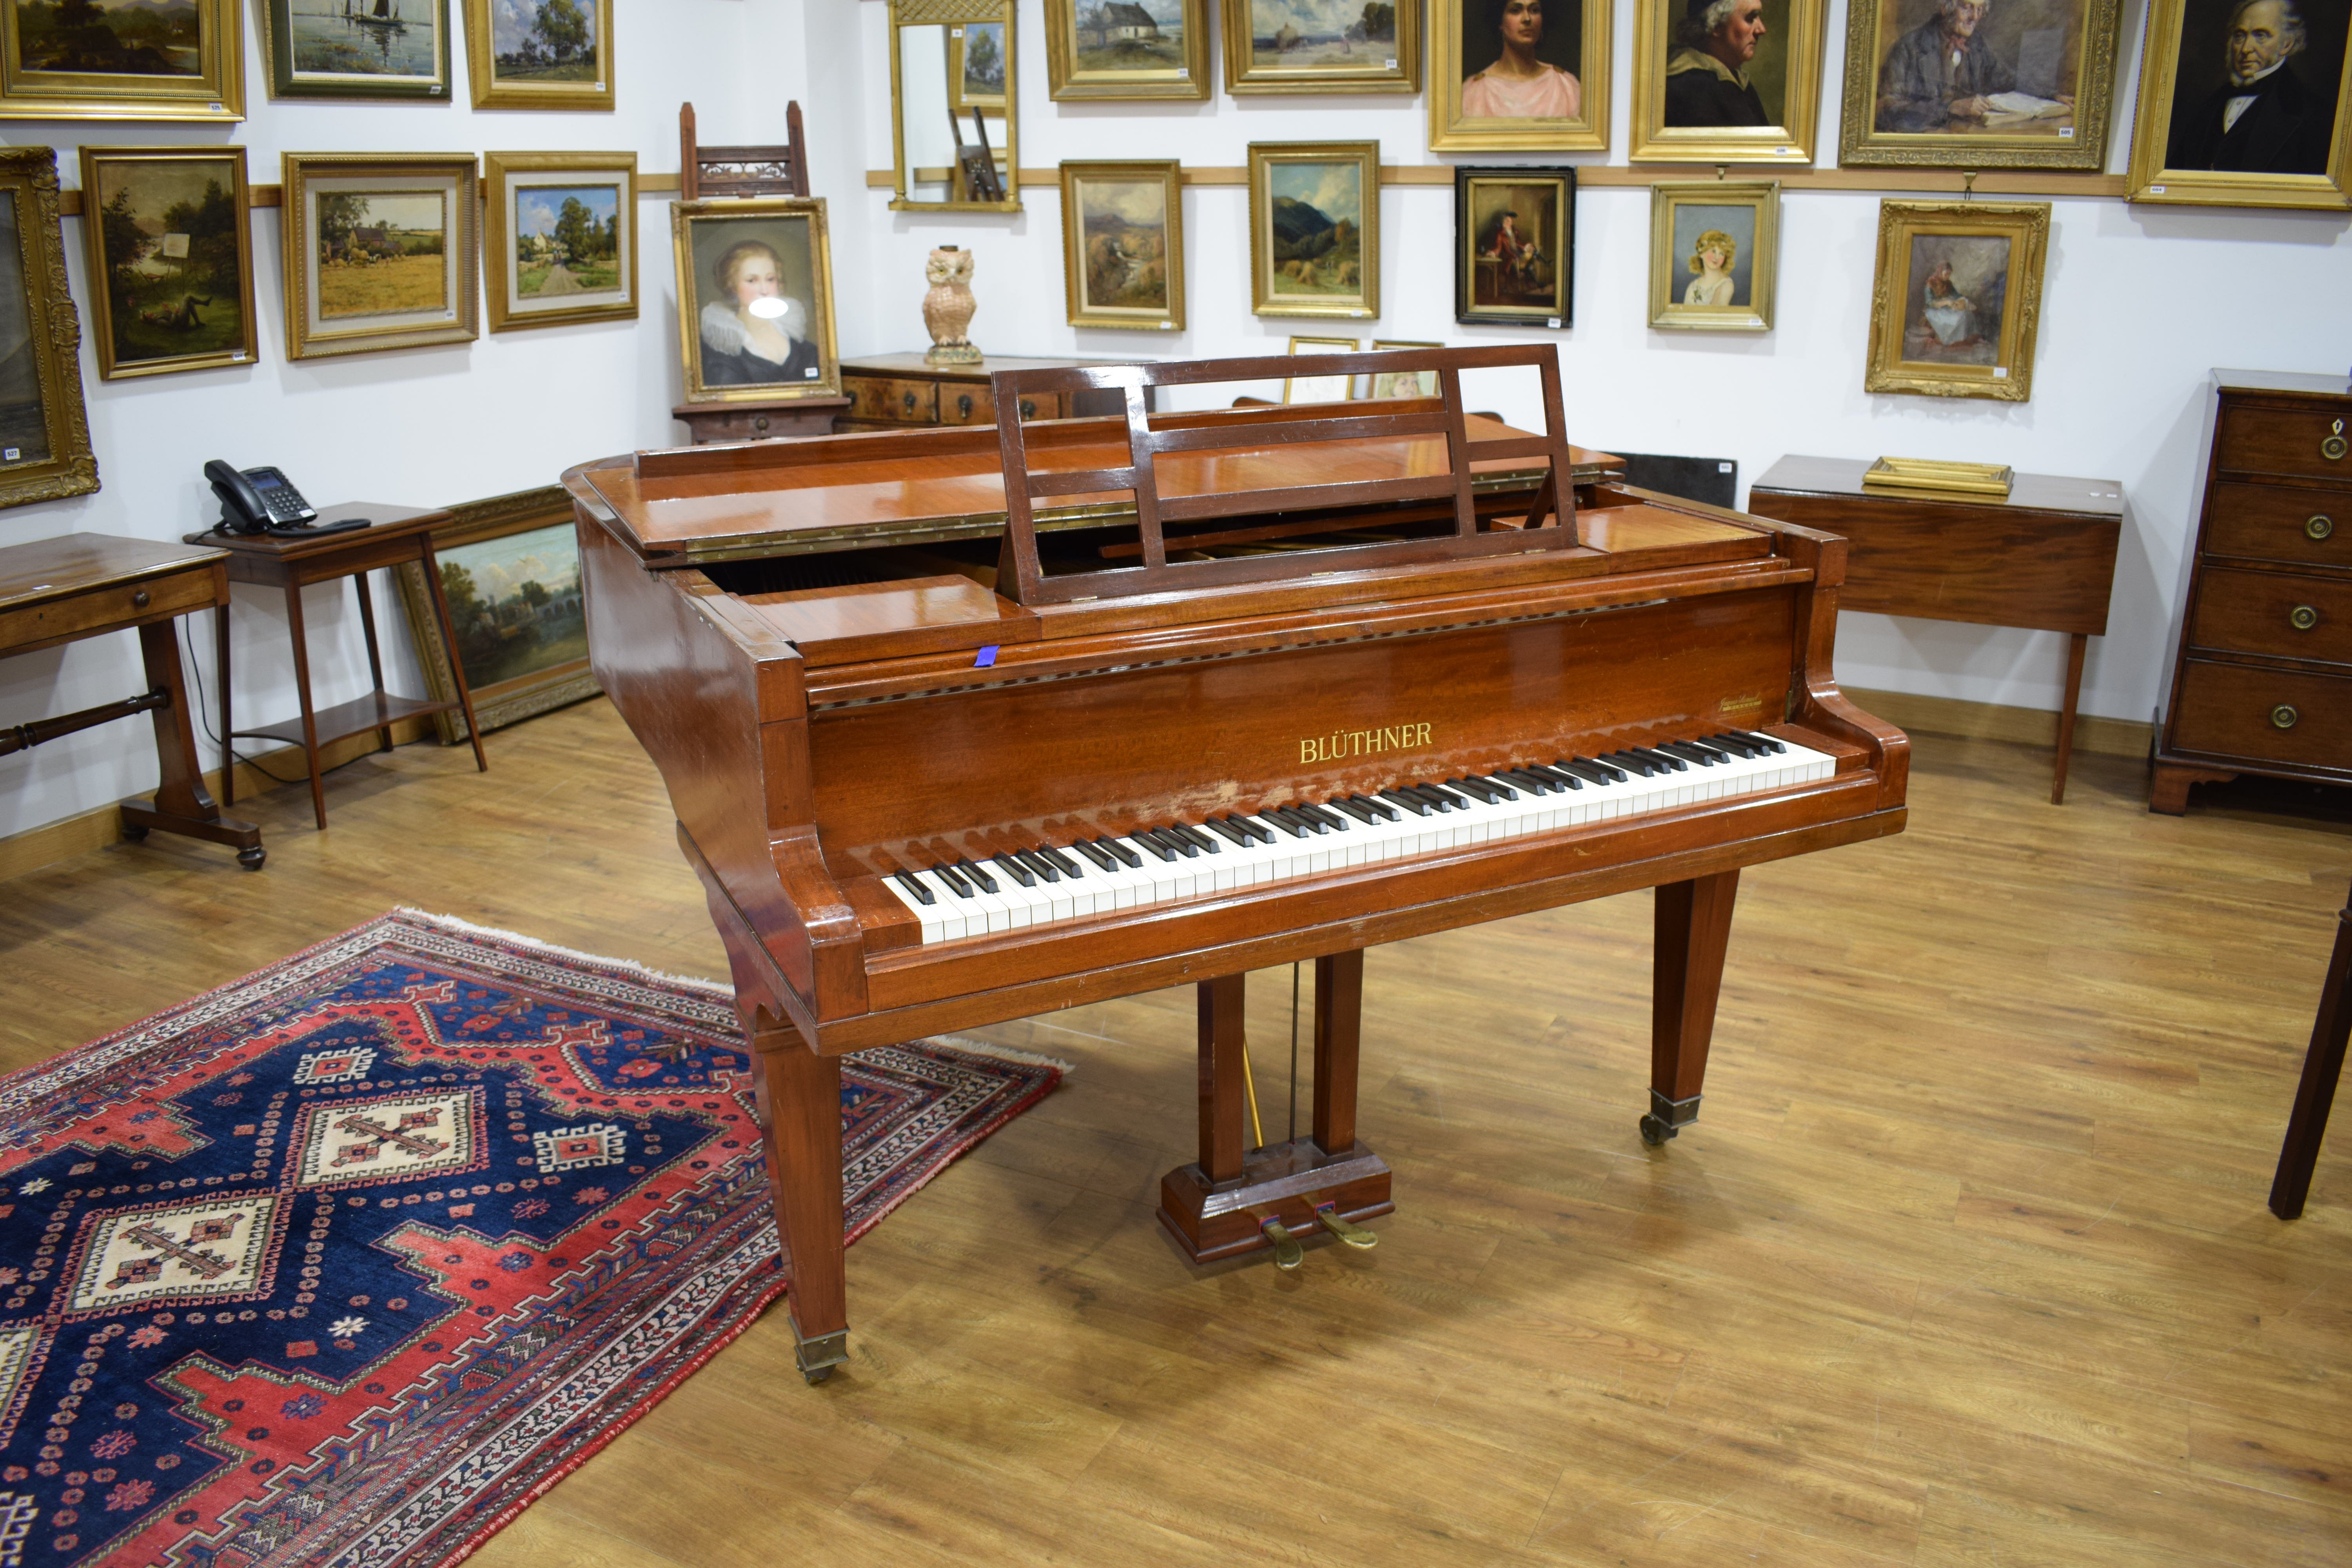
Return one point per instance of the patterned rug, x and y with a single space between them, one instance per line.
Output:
347 1261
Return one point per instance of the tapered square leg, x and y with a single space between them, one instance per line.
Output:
1694 932
2323 1065
799 1121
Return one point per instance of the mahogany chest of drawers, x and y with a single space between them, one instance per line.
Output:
897 392
2262 669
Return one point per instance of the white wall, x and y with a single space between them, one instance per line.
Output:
2138 304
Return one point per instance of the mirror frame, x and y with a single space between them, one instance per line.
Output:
951 13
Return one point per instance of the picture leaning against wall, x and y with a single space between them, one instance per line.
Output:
44 429
2245 103
754 299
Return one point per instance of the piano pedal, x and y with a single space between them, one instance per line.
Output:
1288 1253
1352 1234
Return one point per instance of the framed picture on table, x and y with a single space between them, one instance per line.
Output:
2245 104
755 298
1727 81
1403 383
1319 388
1518 75
1978 84
1515 246
1957 299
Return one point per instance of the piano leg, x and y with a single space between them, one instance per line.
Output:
800 1117
1693 931
1217 1206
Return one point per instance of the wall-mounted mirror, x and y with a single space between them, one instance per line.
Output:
954 133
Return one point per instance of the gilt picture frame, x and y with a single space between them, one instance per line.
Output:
1957 302
154 64
382 251
342 48
1727 81
1714 254
1096 50
1295 47
1319 388
44 452
540 54
562 238
2034 87
170 251
2287 144
1515 246
1123 245
754 281
1402 382
976 67
1315 228
1505 78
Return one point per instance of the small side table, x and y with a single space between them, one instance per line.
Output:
398 533
2043 559
80 585
709 422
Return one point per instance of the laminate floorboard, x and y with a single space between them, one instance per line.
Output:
1965 1262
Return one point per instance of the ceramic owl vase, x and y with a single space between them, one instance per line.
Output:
947 307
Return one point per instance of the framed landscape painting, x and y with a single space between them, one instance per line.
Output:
1127 48
976 62
1315 228
1322 46
539 53
2245 103
1713 249
44 429
755 298
171 258
1957 299
121 59
1123 245
1723 81
563 238
1515 246
1978 84
1518 75
356 48
382 251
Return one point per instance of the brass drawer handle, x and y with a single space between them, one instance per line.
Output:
2303 617
760 422
2284 716
1028 408
907 399
2319 526
963 406
2333 448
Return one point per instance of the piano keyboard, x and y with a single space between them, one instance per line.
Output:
1302 839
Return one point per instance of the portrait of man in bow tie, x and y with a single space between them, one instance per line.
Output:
2265 113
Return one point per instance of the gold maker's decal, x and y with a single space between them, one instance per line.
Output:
1340 743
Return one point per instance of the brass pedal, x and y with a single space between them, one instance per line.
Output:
1354 1235
1288 1253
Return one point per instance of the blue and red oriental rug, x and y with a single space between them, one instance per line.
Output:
345 1262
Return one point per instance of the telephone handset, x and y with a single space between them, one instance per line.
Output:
264 500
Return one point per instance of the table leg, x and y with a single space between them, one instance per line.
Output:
2075 652
1693 934
182 804
227 733
375 658
302 690
798 1095
2322 1066
449 638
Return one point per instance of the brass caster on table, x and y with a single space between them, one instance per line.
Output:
1288 1253
250 860
818 1354
1667 1117
817 1375
1347 1231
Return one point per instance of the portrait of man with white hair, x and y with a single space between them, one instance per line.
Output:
2264 116
1708 73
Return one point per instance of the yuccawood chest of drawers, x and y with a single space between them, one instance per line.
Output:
2262 677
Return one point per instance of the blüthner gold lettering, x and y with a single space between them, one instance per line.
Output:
1340 745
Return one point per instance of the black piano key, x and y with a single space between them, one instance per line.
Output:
1720 751
1329 818
1411 802
1689 753
1379 808
1228 832
1152 845
914 885
1206 843
1531 784
1292 813
1633 762
1015 869
1733 744
1673 762
1502 786
1098 857
1356 808
1039 864
1254 830
1119 852
1610 775
1439 795
1178 842
1547 781
1767 742
987 883
956 884
1070 867
1568 776
1473 787
1290 825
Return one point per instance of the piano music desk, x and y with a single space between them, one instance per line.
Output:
2043 559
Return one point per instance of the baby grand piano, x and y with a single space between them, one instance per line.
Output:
966 725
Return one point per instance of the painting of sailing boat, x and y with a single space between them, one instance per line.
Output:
358 48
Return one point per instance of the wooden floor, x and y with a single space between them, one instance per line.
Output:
1965 1262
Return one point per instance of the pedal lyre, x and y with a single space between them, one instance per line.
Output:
1352 1234
1288 1253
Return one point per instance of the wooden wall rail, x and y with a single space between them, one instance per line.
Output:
70 201
1936 182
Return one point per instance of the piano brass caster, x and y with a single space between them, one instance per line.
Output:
1667 1117
1347 1231
1288 1253
818 1355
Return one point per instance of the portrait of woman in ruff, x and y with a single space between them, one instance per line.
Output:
754 333
755 300
1517 85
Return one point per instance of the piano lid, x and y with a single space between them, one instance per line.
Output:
689 505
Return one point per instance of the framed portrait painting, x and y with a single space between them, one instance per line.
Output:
1319 388
755 298
2245 103
538 54
562 233
1978 84
1721 81
1127 48
1123 245
356 48
1321 46
1518 75
1315 228
121 59
1403 383
382 251
171 258
1515 246
1714 245
44 429
1957 299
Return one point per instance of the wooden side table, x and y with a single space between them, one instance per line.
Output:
709 422
397 533
56 591
2043 559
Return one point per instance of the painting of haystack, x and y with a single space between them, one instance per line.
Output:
1316 224
380 253
1125 225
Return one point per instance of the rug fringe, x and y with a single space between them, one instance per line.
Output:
977 1047
598 960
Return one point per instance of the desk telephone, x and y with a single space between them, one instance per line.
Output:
264 500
